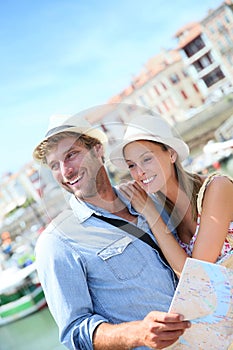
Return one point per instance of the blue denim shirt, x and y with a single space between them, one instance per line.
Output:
93 272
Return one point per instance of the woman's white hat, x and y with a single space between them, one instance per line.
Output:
151 128
76 123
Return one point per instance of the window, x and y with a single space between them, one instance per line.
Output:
157 109
220 45
157 90
230 59
35 176
195 87
206 60
165 105
212 30
228 39
227 20
183 93
213 77
163 85
142 100
203 62
195 46
131 108
170 102
221 27
174 78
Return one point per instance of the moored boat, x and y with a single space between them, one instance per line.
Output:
20 293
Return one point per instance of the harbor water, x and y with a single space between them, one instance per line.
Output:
35 332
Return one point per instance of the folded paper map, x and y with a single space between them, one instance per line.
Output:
205 297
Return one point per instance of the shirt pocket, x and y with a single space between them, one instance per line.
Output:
123 259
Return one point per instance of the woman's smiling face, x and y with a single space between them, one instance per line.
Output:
150 164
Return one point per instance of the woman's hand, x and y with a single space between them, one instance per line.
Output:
139 199
143 204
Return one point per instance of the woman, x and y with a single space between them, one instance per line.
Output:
201 207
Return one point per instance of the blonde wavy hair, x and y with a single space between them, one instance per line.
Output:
47 145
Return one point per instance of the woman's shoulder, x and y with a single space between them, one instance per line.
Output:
218 182
216 178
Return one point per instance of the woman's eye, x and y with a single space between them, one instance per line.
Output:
130 166
147 159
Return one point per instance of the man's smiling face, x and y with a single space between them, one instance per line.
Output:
75 167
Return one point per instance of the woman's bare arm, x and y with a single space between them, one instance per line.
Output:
215 219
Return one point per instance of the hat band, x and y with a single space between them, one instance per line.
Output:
57 129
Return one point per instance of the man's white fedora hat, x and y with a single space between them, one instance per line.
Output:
150 128
64 123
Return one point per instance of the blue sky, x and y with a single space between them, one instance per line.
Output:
63 56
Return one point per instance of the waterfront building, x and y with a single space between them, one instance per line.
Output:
207 50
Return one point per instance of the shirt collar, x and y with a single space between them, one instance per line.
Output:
80 209
83 210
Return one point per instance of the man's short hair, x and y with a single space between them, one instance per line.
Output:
47 145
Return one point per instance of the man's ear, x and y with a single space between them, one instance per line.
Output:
99 150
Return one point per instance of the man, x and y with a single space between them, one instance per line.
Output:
102 285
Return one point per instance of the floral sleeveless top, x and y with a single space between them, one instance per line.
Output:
228 244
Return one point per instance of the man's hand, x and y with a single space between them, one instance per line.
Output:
158 330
